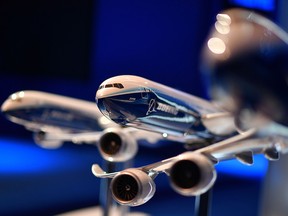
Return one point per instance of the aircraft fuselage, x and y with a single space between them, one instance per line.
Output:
145 104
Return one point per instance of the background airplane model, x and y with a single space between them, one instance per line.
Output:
55 119
142 103
245 61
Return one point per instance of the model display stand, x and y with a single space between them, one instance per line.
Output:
203 204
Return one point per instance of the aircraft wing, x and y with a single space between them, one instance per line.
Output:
193 173
214 152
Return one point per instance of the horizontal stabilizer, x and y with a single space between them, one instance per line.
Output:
245 157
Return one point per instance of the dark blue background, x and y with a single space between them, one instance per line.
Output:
69 48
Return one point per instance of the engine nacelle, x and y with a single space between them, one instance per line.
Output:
40 139
193 175
117 146
132 187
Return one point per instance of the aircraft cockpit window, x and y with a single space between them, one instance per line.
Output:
118 85
108 86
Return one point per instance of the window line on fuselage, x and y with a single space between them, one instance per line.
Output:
110 85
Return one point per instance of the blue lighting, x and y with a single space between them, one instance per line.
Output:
267 5
19 156
234 167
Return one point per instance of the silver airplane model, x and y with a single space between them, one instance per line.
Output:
141 103
55 119
147 105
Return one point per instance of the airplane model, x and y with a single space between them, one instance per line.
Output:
55 119
141 103
144 104
245 61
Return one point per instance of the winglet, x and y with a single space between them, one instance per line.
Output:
100 173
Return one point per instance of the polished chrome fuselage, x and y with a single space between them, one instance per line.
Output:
145 104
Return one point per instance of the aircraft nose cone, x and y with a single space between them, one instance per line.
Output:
111 111
12 103
5 107
10 109
8 106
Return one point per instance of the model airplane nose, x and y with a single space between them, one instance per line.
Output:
12 102
10 109
99 94
8 106
5 107
112 111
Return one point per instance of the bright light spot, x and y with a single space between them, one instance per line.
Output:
216 45
222 29
17 96
165 135
110 159
21 94
104 121
14 96
223 19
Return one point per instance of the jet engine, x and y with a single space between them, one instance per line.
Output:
132 187
116 146
192 175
